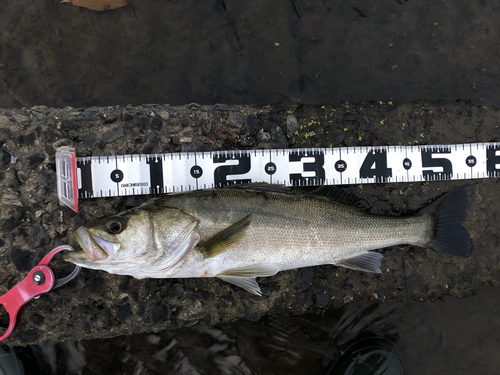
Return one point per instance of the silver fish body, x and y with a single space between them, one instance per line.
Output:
239 234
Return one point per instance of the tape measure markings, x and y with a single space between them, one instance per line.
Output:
107 176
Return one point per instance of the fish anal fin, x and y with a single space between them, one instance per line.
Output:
368 262
245 277
247 283
225 239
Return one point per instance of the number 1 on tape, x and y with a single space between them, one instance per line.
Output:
109 176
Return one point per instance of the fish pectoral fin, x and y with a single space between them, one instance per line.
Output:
369 262
226 239
247 283
245 277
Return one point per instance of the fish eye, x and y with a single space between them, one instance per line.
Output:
115 225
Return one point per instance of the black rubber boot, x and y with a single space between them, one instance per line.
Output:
369 356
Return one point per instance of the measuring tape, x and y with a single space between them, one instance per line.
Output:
110 176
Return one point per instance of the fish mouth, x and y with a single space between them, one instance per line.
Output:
96 248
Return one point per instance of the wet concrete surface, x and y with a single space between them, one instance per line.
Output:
223 51
99 305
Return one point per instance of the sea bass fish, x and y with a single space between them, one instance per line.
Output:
238 234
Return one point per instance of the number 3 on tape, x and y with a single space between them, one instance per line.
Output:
108 176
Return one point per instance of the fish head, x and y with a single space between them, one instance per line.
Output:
142 242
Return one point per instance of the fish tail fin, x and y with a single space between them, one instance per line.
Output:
448 212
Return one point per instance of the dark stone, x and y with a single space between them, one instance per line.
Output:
276 118
176 140
157 122
23 259
305 301
266 125
147 150
9 224
112 135
159 314
91 113
134 294
206 128
36 159
292 125
188 148
323 299
73 134
207 147
185 122
246 142
236 119
68 125
151 285
127 117
304 277
143 121
2 242
280 140
348 116
110 120
223 107
249 314
253 125
124 284
123 311
6 157
30 139
39 237
89 139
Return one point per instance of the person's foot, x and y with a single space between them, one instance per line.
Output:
369 356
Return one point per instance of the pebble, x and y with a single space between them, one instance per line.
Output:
112 135
262 136
252 125
11 198
191 311
91 113
236 119
292 125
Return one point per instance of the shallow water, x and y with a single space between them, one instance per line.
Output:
454 336
233 52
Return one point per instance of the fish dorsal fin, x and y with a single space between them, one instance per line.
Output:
337 194
368 262
245 277
226 239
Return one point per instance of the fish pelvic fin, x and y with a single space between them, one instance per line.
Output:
368 262
449 237
245 277
226 239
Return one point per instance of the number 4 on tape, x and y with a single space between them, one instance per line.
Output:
108 176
